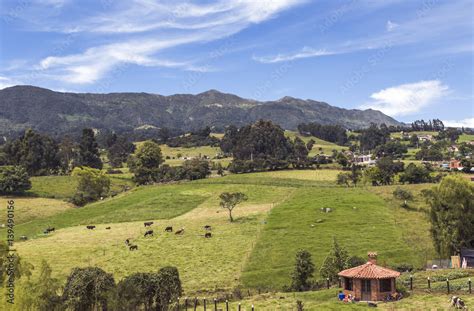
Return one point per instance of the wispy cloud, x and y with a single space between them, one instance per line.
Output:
141 29
6 82
423 26
406 99
305 52
469 122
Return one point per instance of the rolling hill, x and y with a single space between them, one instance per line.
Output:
58 113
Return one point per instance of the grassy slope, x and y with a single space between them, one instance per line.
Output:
63 187
28 209
320 146
465 138
204 264
371 226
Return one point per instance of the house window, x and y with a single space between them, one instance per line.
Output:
386 285
347 284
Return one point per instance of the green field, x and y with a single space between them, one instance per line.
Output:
465 138
320 146
256 251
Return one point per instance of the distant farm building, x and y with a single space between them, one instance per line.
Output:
369 282
364 159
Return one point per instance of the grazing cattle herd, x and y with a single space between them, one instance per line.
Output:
133 247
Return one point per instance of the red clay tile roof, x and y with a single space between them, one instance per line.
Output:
369 271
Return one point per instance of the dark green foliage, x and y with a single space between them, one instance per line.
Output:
195 139
88 289
145 163
431 125
196 169
341 159
119 150
303 272
450 134
229 200
169 287
335 262
402 194
310 144
414 174
333 133
394 149
452 215
37 153
92 185
20 267
89 150
14 179
138 291
373 136
67 154
430 152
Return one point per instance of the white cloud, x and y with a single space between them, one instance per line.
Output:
304 53
469 122
406 99
391 26
146 28
7 82
423 27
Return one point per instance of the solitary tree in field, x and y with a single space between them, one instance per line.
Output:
229 200
304 269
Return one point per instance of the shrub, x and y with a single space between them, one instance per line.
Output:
93 184
14 179
303 272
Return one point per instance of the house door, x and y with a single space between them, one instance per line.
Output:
366 287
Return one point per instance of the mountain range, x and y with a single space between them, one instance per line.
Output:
23 107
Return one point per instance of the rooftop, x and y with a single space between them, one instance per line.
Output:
369 270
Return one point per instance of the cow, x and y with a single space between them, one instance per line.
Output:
48 230
458 303
23 238
180 231
149 232
169 229
148 223
107 228
208 235
127 242
133 247
90 227
207 227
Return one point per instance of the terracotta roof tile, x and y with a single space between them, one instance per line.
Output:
369 271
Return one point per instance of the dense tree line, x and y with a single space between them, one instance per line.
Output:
373 136
201 137
263 146
332 133
430 125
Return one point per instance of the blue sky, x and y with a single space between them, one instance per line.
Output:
410 59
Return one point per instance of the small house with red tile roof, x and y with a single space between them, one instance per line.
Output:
369 282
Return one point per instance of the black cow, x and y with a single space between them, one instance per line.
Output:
133 247
169 229
23 238
149 232
127 242
208 235
207 227
180 231
148 223
107 228
48 230
90 227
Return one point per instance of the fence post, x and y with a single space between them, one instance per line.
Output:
339 280
447 284
177 307
411 282
469 284
239 306
215 304
327 283
195 303
429 283
204 300
253 308
186 303
227 305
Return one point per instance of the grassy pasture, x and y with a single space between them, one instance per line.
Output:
371 226
29 209
320 146
465 138
204 264
63 187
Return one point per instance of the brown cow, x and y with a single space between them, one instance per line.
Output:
149 232
133 247
207 235
180 231
148 223
169 229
